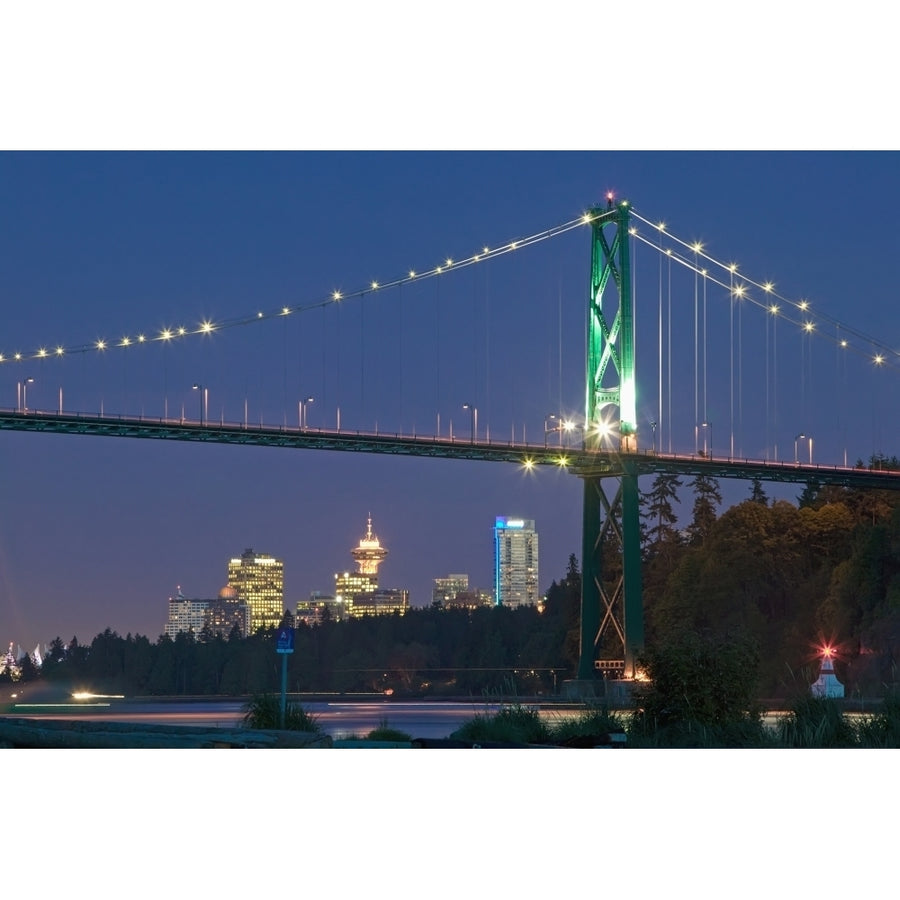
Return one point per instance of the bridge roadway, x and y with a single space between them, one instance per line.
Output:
584 462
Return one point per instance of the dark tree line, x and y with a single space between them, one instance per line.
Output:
785 577
430 651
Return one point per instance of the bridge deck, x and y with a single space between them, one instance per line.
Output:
586 463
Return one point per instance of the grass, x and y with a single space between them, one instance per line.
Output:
816 722
384 733
263 711
514 724
813 722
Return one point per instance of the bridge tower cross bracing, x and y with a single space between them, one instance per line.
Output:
611 607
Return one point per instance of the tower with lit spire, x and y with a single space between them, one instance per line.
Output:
358 591
369 554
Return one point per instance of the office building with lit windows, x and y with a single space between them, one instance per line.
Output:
320 607
185 614
258 580
447 587
348 584
515 562
218 616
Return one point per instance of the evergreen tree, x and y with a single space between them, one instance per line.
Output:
659 514
707 497
757 494
28 671
810 495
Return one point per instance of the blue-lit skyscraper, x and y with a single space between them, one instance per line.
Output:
515 562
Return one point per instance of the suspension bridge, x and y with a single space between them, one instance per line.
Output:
691 367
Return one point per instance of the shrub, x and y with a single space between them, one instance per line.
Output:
882 728
512 724
592 722
816 722
385 733
263 711
703 679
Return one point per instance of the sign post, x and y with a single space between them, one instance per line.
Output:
285 646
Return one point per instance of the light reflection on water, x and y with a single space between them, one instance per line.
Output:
339 719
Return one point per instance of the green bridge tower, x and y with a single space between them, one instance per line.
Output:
612 621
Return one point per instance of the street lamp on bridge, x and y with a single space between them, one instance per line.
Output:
473 415
303 408
797 439
550 429
707 439
204 402
21 394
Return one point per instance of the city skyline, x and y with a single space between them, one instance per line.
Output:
87 522
265 229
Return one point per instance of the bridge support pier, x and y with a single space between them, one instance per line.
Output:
612 615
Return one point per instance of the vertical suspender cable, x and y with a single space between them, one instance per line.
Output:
559 360
659 399
705 383
696 333
740 376
731 363
669 351
400 351
437 375
768 433
362 355
775 384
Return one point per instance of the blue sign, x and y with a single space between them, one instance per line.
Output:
285 640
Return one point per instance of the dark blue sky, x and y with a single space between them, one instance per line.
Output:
98 532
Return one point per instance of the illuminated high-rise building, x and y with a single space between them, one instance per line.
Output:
369 554
358 591
216 616
447 587
348 584
515 562
185 614
259 582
